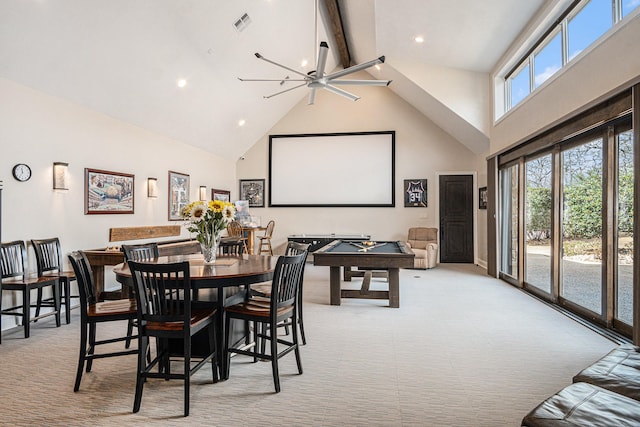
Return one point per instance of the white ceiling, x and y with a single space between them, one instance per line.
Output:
124 57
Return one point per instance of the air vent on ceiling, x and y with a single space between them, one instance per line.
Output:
242 23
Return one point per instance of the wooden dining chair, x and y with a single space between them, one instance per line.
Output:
264 289
141 252
13 259
168 315
234 229
282 305
265 240
231 246
93 312
49 263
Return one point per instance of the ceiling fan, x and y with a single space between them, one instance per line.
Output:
317 79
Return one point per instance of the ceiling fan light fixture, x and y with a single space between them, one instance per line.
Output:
317 79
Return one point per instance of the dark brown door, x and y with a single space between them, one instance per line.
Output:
456 218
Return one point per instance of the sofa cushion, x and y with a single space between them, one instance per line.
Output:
618 371
582 404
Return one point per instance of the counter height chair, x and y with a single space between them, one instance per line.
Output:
264 289
93 312
49 263
265 240
15 278
141 252
282 306
231 246
234 229
165 314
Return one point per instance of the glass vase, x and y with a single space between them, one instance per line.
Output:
210 250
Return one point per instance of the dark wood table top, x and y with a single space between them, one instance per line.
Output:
226 271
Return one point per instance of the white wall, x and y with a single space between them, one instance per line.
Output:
422 150
608 65
38 129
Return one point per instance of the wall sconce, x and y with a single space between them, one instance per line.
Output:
152 187
203 193
60 176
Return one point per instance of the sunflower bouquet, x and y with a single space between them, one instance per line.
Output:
207 219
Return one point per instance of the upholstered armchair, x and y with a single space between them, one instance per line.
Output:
424 243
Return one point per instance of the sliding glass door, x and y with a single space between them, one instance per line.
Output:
582 232
538 220
509 223
625 221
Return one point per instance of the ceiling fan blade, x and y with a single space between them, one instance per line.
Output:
272 80
361 82
355 68
341 92
282 66
283 91
322 59
312 96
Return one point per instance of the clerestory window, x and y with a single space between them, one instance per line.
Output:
584 22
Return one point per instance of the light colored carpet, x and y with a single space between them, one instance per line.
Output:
463 349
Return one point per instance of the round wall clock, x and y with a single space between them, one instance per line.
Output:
21 172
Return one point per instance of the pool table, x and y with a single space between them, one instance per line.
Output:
389 256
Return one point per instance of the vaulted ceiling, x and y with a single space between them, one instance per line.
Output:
123 58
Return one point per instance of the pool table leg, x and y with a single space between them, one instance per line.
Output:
394 287
334 283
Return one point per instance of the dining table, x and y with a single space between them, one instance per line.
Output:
227 279
250 231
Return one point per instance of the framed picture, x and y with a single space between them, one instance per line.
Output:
223 195
107 192
178 194
252 190
482 198
415 193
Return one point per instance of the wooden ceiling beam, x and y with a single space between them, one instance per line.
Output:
338 31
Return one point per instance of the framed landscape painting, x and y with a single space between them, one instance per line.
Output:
108 192
222 195
178 194
252 190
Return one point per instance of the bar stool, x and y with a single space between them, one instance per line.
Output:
15 278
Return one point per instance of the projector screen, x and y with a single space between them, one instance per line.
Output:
333 169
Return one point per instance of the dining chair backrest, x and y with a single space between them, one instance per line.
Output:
84 278
286 280
296 248
234 229
163 291
234 248
14 259
268 232
143 252
48 255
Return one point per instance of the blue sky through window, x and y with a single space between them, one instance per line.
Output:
628 6
589 24
520 86
548 60
583 29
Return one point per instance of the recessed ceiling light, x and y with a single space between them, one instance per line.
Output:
182 83
418 39
378 67
304 62
241 122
